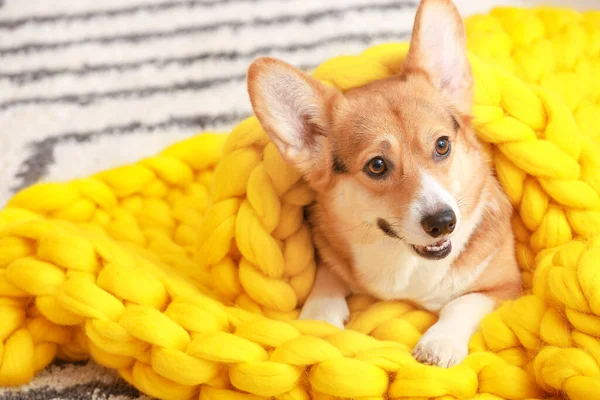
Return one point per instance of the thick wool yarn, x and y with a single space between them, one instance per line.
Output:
185 271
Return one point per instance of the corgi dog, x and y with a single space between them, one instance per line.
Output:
407 203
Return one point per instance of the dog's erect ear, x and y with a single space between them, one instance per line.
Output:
293 108
438 47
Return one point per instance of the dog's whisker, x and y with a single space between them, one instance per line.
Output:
353 228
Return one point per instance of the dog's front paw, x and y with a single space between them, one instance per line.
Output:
332 310
440 350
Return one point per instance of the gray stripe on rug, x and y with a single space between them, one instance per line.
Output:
26 77
74 381
36 165
87 99
11 24
307 18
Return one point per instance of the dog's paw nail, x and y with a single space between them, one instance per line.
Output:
439 352
417 353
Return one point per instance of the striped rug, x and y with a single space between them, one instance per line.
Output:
86 85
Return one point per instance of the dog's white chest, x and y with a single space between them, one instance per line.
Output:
390 270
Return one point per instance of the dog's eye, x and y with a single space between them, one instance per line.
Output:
376 166
442 146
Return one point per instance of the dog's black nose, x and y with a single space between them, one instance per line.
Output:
440 223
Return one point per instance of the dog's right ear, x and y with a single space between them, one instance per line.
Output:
439 47
293 108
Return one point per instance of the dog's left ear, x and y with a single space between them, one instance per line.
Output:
294 109
438 47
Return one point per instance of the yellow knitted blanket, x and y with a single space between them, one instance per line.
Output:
185 270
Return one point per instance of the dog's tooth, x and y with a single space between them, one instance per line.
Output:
438 246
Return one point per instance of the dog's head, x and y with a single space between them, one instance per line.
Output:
398 153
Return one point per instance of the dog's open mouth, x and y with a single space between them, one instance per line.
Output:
435 251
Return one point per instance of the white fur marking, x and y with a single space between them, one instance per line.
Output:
432 197
446 343
327 300
389 268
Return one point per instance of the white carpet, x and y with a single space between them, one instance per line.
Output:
86 85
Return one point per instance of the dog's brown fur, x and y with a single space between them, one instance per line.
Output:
398 118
